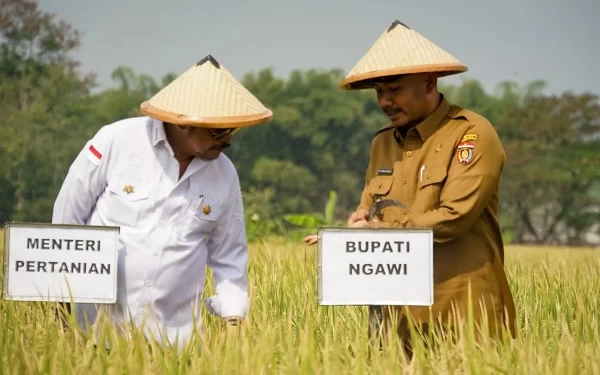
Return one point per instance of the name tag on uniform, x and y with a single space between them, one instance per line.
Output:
385 171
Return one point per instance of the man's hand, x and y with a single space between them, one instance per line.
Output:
311 240
358 219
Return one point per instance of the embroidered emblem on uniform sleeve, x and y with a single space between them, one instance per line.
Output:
206 209
465 152
469 137
128 189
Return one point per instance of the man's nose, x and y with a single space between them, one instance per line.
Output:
226 138
385 100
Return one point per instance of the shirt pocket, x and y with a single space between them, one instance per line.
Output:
380 186
126 202
430 187
200 216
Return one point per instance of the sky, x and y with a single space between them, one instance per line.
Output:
512 40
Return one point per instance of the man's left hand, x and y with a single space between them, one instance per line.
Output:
311 239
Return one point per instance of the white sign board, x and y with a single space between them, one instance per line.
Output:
54 263
383 266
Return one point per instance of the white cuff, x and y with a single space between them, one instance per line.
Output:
229 301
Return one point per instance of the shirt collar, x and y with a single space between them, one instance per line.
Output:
427 126
159 135
158 132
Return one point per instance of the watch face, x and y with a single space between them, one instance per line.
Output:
233 320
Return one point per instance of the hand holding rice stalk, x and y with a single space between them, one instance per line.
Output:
361 217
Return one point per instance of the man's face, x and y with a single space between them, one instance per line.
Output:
205 143
405 99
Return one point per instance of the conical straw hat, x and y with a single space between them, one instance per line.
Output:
207 95
401 50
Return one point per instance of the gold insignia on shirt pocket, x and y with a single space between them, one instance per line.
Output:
125 205
127 191
203 206
200 216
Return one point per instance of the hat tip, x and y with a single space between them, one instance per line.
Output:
210 59
394 24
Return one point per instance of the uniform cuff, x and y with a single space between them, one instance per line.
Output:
229 301
226 305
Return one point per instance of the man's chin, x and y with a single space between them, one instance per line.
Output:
210 155
399 120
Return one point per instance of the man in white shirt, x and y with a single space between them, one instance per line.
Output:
164 181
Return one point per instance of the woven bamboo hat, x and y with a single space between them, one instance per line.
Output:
207 95
401 50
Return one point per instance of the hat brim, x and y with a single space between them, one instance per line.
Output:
206 122
361 81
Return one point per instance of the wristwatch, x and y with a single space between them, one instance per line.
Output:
233 320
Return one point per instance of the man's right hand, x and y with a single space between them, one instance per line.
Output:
358 218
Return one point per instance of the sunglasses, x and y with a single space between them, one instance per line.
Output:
218 133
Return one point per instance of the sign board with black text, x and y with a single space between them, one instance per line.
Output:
54 263
375 266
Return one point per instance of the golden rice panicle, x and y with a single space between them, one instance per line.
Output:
287 332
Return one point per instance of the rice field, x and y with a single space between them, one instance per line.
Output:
557 292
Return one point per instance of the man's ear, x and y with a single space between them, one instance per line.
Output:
431 82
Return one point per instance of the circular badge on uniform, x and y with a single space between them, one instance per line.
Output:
465 152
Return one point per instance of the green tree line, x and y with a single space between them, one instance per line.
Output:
313 154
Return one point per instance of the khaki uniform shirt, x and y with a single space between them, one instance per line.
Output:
447 172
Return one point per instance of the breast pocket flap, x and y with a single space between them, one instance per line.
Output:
433 175
380 185
205 208
128 191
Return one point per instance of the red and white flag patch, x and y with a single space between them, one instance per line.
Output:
93 155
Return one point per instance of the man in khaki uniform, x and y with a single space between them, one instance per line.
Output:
444 163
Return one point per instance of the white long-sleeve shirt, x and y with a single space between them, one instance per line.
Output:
127 176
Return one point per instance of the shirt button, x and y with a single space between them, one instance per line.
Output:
404 212
141 311
409 153
148 283
405 181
